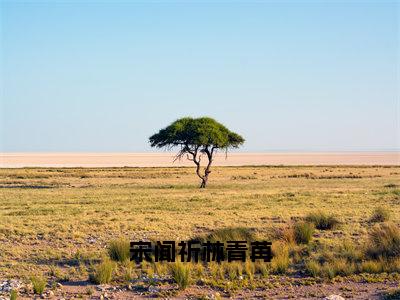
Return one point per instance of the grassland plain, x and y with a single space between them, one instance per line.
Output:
57 224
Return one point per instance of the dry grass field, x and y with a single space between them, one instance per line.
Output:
56 226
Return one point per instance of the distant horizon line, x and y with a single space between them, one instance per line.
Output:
220 151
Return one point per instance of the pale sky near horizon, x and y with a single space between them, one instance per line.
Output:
289 76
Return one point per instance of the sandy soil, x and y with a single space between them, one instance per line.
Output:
16 160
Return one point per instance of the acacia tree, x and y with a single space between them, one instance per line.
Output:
195 138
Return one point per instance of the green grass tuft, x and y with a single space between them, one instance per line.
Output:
384 241
303 232
313 268
322 221
13 295
380 214
38 284
229 234
103 272
181 274
118 250
280 261
371 266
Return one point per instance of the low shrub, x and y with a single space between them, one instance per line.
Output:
384 241
380 214
103 272
303 232
38 284
118 250
322 221
181 275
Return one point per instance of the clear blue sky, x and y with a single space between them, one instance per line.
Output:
87 76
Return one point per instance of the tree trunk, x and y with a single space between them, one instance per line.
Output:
207 171
203 179
204 182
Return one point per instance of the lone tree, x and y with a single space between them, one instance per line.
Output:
197 137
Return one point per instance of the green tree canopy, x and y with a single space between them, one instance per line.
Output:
196 136
201 131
